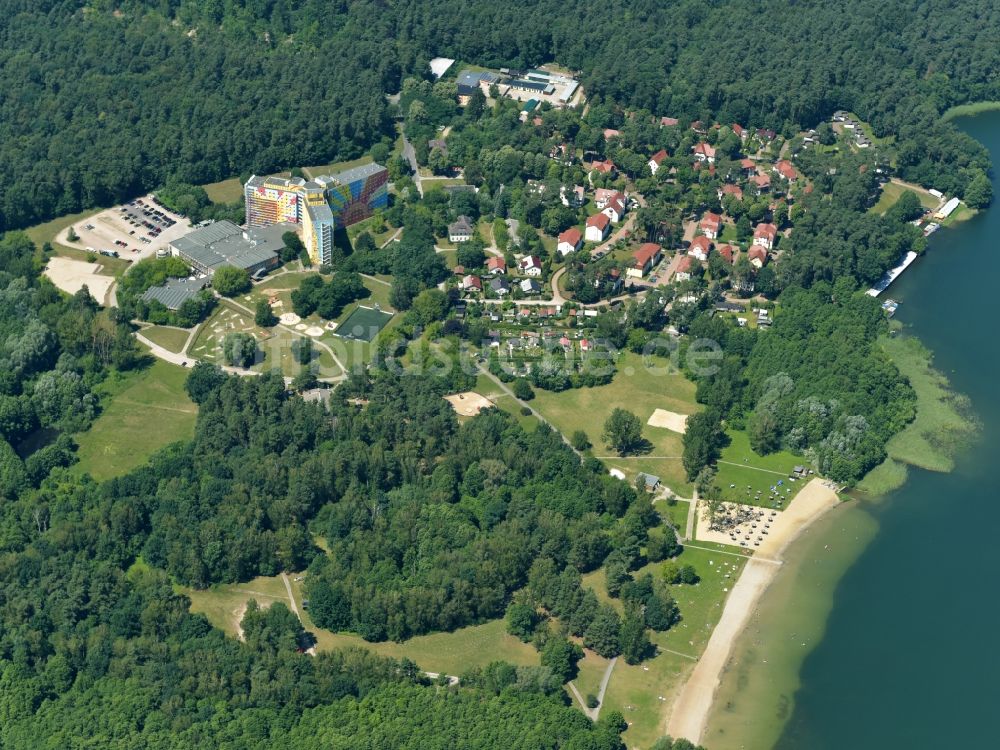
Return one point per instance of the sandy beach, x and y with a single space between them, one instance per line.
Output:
690 711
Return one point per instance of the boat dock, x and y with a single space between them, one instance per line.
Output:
892 274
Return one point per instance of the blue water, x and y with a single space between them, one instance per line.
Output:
910 658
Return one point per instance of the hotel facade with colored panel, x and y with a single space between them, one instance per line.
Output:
319 206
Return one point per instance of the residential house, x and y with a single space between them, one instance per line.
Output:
700 248
603 167
458 270
683 270
530 265
645 258
597 228
472 284
729 189
461 230
586 345
610 133
728 253
656 160
711 225
766 135
761 182
749 167
757 256
500 287
496 265
704 152
741 132
786 170
569 241
530 286
669 122
572 198
764 236
615 210
602 196
439 144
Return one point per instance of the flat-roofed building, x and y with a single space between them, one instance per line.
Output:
222 243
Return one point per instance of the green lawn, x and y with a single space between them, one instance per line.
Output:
42 233
741 466
636 690
170 338
640 389
225 191
892 192
143 411
450 653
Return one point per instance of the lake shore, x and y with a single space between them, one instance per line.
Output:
690 713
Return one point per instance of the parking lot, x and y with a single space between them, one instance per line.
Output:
132 232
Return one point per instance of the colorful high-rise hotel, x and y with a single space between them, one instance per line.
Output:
319 206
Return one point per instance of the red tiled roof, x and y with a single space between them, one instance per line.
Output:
736 190
645 254
496 263
659 156
705 149
572 236
684 264
598 220
766 230
700 243
726 251
668 121
757 253
711 221
748 164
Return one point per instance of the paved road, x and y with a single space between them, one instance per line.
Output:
410 154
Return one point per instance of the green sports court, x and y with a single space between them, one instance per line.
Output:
363 324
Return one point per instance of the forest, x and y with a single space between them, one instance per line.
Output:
96 646
144 92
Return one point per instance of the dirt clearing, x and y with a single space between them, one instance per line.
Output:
469 404
669 420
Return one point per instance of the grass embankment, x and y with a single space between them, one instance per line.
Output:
170 338
943 424
337 166
225 191
143 411
640 386
967 110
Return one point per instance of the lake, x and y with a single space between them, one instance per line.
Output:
881 632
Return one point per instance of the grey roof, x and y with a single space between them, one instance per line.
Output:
469 78
175 292
275 181
358 173
320 213
460 226
651 480
497 284
223 243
